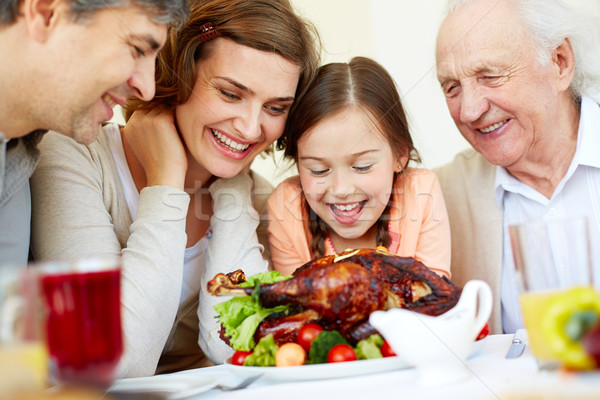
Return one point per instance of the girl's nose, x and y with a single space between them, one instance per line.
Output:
342 185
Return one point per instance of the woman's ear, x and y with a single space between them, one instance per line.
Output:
41 16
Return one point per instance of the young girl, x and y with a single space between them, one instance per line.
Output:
350 140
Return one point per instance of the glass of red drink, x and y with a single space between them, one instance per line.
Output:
83 320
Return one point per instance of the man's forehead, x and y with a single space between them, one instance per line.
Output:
136 24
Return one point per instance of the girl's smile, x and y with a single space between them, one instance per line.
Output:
348 213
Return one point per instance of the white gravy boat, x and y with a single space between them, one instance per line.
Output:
437 346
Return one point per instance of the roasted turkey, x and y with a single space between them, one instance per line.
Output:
341 291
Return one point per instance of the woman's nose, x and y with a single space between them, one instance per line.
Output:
248 123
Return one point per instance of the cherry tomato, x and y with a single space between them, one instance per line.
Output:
484 332
307 334
341 353
239 357
386 350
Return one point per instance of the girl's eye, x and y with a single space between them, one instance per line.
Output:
363 169
319 172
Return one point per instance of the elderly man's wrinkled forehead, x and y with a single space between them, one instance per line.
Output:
482 24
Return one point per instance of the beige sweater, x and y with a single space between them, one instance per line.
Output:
475 224
79 210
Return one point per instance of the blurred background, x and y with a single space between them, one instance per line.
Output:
400 35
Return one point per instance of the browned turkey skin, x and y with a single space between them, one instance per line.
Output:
341 291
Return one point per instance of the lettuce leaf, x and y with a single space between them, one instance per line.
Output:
240 316
264 353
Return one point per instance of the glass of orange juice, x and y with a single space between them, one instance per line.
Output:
23 355
553 268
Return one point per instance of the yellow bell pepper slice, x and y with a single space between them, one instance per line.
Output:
564 322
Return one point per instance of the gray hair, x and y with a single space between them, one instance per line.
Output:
549 23
173 12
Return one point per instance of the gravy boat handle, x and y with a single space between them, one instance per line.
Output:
475 302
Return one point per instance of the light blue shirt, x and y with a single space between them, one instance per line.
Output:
577 195
18 158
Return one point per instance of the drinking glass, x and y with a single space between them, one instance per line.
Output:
83 319
23 357
551 257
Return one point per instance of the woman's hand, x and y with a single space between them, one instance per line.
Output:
152 136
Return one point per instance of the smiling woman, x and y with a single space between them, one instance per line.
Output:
171 190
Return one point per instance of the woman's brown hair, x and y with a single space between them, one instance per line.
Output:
364 84
266 25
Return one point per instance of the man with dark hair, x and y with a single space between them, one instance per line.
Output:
66 63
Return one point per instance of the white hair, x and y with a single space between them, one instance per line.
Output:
549 23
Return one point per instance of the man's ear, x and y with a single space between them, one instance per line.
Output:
563 58
41 16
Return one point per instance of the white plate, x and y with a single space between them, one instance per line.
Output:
477 346
320 371
176 386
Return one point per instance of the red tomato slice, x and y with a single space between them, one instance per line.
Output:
307 334
386 350
239 357
484 332
341 353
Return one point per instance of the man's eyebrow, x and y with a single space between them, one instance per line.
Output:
250 91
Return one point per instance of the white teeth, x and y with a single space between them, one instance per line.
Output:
493 127
110 102
231 144
348 207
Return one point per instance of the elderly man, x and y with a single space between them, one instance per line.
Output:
517 76
65 65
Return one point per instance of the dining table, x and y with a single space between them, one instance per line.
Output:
491 376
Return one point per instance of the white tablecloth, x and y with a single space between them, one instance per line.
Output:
492 377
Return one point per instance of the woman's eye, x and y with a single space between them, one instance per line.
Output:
276 110
228 94
363 169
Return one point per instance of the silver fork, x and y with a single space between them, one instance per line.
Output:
156 395
243 384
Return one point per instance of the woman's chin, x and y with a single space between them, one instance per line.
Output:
225 173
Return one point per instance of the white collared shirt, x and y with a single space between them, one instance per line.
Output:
577 194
